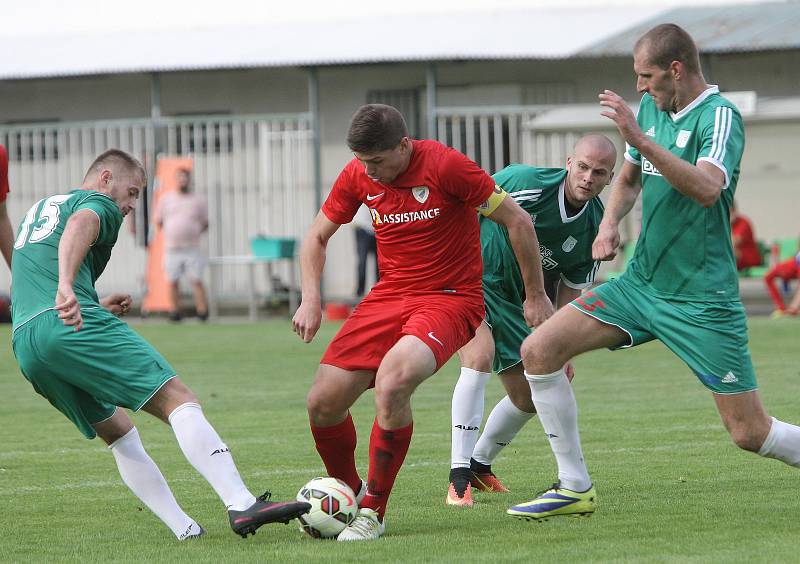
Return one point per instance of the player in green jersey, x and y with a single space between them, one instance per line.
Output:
75 352
681 288
566 211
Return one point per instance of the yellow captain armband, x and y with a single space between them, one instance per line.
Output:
491 204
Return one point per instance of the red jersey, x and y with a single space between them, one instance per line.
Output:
426 223
746 251
3 174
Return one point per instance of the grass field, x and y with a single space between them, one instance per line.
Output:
671 486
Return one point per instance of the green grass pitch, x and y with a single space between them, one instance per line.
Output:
671 485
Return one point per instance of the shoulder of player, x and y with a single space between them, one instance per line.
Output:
517 177
86 195
597 208
91 196
708 108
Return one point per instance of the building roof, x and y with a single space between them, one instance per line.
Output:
558 32
718 29
501 34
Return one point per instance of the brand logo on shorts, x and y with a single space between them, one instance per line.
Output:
683 138
652 131
430 334
569 244
729 378
420 193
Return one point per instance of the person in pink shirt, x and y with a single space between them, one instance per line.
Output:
183 217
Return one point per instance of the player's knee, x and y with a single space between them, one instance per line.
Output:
323 408
480 361
393 390
537 356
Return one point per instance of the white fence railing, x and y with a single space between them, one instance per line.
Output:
256 172
491 136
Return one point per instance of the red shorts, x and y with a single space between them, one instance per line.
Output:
445 322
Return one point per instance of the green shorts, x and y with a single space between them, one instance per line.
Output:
710 337
86 375
506 318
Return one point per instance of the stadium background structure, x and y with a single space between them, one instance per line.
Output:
266 125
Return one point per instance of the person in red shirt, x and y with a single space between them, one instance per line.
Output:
423 198
786 271
6 230
745 248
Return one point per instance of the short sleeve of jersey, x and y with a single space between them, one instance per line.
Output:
343 201
632 154
722 141
3 174
464 179
107 212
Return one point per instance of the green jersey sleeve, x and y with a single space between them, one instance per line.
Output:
722 141
107 212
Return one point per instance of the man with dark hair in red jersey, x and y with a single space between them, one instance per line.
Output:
423 198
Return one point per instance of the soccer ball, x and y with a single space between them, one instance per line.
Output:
333 507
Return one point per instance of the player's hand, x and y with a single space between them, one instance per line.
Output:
306 321
622 116
68 308
117 304
569 370
537 309
606 243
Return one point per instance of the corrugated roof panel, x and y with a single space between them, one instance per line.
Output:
737 27
504 34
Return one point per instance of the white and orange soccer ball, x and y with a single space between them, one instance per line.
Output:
333 507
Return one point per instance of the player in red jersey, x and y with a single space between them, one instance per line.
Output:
785 271
423 198
6 231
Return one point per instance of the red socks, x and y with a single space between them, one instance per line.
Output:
387 451
774 293
336 446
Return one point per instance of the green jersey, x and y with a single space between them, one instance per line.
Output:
565 242
684 251
35 264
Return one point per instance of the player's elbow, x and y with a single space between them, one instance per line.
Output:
708 194
709 199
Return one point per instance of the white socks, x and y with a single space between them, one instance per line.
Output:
145 480
211 457
467 414
503 424
782 443
555 403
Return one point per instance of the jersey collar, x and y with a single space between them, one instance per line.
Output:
562 207
713 89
